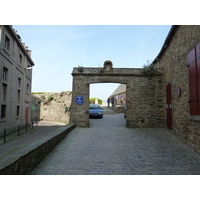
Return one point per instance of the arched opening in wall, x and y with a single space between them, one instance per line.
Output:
110 104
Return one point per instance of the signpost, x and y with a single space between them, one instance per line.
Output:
79 100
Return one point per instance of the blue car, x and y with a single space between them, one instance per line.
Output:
95 111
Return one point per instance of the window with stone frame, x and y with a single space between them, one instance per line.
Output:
18 96
3 111
27 88
193 62
18 111
4 91
20 59
19 82
5 74
7 43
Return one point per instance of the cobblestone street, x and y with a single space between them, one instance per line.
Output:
107 147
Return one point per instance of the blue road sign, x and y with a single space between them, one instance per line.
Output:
79 100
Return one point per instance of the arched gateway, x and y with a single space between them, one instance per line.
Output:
144 97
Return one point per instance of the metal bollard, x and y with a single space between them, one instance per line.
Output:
4 135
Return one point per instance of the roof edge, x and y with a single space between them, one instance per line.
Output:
9 27
166 43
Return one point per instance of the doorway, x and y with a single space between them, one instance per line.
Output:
169 105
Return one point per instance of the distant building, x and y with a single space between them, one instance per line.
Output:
15 81
120 95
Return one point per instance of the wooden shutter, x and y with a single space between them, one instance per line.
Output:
192 82
198 76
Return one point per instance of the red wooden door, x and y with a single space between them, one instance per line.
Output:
169 106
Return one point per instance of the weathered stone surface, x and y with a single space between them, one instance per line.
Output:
54 109
173 64
144 102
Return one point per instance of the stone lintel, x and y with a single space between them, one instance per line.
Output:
92 71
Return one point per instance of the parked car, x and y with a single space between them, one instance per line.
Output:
95 111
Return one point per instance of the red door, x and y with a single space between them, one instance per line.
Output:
169 106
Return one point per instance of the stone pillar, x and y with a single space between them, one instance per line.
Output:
79 113
128 106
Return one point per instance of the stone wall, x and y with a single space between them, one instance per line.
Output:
23 161
53 106
35 111
173 63
145 102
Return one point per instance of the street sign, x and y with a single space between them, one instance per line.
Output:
79 100
32 107
66 108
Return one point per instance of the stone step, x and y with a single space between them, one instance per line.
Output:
108 112
106 108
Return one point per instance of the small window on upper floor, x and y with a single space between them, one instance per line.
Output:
27 88
19 82
20 59
4 91
19 96
5 74
7 43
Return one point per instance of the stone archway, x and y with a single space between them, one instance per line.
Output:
144 103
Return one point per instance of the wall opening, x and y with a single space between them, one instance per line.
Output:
103 94
102 90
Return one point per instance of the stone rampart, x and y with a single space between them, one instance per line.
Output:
53 106
25 159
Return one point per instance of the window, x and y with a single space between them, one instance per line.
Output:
27 88
5 74
20 58
18 109
7 43
18 94
4 91
3 111
19 82
28 69
193 62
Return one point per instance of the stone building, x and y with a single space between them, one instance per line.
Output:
179 61
15 81
119 95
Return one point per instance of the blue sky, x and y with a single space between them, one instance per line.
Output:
56 49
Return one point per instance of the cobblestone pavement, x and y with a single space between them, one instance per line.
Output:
109 148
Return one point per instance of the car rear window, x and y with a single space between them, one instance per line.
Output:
95 107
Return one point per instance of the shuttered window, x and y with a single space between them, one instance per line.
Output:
193 62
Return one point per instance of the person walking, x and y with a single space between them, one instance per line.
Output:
108 101
113 101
